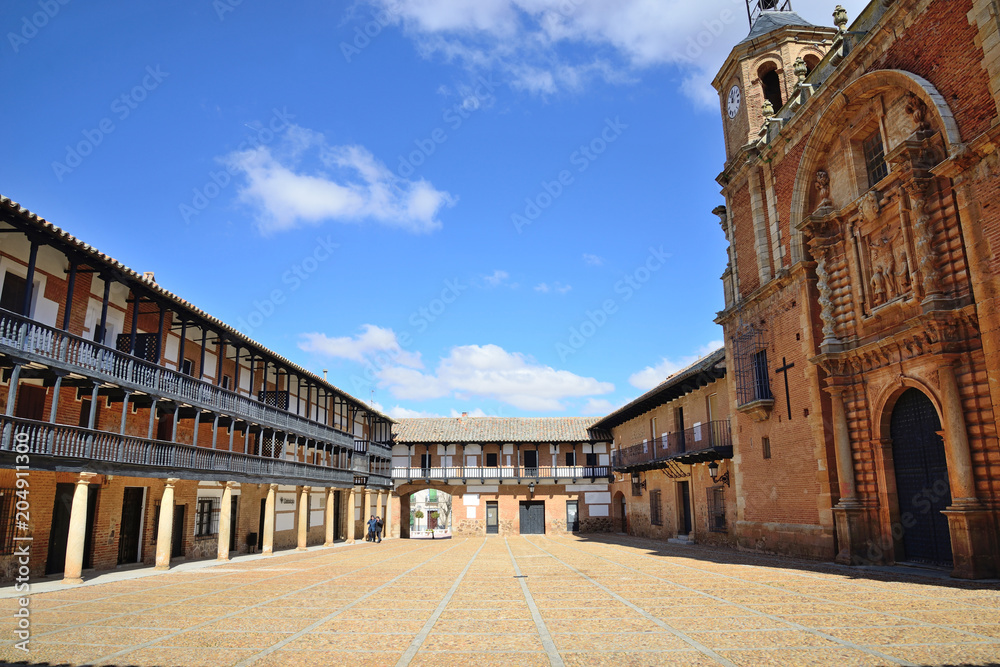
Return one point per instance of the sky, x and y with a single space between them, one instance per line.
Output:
500 207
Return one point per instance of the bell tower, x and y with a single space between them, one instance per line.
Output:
760 70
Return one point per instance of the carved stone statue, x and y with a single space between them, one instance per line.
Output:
878 287
869 206
903 272
823 188
917 110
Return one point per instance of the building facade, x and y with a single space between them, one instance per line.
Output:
506 475
861 328
138 428
672 458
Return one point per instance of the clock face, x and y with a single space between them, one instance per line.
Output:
733 103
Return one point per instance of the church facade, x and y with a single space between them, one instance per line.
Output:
861 322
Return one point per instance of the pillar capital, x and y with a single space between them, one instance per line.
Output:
232 485
307 489
85 477
171 481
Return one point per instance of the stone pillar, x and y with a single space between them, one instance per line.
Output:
366 509
349 524
848 514
388 512
77 530
973 540
329 517
268 536
165 531
226 519
303 517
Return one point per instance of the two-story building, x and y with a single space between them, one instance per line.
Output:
137 428
506 475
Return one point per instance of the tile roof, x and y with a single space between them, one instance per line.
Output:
497 429
15 209
769 21
703 371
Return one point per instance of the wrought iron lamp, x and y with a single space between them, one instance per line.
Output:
531 489
713 472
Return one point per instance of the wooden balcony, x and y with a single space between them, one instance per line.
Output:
503 475
55 446
709 441
43 346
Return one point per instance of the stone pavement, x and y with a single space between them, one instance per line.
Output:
528 600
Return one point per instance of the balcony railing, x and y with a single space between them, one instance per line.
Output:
505 474
38 342
706 441
60 440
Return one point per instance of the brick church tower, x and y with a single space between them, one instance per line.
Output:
862 344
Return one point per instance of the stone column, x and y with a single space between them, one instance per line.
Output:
973 540
77 530
268 536
380 511
366 509
303 517
165 531
349 524
226 519
388 512
848 513
328 517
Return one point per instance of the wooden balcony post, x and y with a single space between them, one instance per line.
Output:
68 308
15 377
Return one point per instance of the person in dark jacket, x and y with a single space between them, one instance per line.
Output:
378 528
370 537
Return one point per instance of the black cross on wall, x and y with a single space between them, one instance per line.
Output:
788 398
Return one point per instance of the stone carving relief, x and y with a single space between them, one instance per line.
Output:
823 188
916 108
869 206
886 263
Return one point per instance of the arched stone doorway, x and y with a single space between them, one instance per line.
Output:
620 512
921 473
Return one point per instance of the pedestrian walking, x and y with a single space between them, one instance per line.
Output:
378 528
370 536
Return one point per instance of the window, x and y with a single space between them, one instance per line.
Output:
12 298
750 355
276 399
187 367
765 447
491 460
636 484
570 459
227 382
530 459
85 415
425 461
206 520
716 509
145 345
591 460
8 503
655 515
874 158
770 86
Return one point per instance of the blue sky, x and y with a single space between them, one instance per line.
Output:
492 206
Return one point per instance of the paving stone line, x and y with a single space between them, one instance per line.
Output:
181 631
418 641
797 626
653 619
915 621
91 601
543 632
329 617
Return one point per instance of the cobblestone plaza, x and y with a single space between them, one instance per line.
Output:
522 600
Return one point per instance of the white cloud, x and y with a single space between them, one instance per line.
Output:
397 412
556 287
651 376
545 46
496 278
598 406
372 343
592 260
489 371
340 183
477 412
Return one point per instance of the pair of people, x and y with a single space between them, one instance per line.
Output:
374 529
